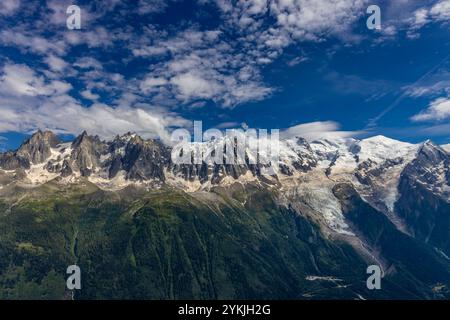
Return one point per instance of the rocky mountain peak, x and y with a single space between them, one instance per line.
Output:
86 153
432 152
446 147
83 138
38 147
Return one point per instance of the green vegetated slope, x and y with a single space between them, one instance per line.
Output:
167 244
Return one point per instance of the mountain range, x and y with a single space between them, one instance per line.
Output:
142 227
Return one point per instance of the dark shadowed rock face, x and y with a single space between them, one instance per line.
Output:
11 161
144 160
38 148
35 150
431 168
140 159
86 153
394 250
425 192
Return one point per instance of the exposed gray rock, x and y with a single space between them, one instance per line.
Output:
38 148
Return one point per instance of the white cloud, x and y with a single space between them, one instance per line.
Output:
436 85
150 83
420 19
88 94
193 65
9 7
311 19
57 10
95 37
32 42
295 20
55 63
438 12
409 17
441 10
193 85
152 6
208 65
318 130
438 110
88 63
30 101
65 115
201 66
20 80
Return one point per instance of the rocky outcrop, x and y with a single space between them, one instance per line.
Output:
37 149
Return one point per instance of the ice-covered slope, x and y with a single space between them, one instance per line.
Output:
446 147
373 165
307 171
380 163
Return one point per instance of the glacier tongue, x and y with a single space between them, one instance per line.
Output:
315 190
372 165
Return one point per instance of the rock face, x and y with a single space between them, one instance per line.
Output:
12 161
425 191
394 177
332 207
37 149
373 165
86 152
141 160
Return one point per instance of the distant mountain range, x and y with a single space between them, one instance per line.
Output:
141 226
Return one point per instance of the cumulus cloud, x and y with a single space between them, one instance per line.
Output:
186 64
88 63
438 110
55 63
88 94
211 65
201 65
224 64
31 42
409 17
65 115
438 12
19 80
9 7
314 19
272 25
441 10
30 101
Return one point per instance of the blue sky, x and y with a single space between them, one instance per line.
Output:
311 68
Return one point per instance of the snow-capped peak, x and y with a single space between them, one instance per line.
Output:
446 147
380 148
308 171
